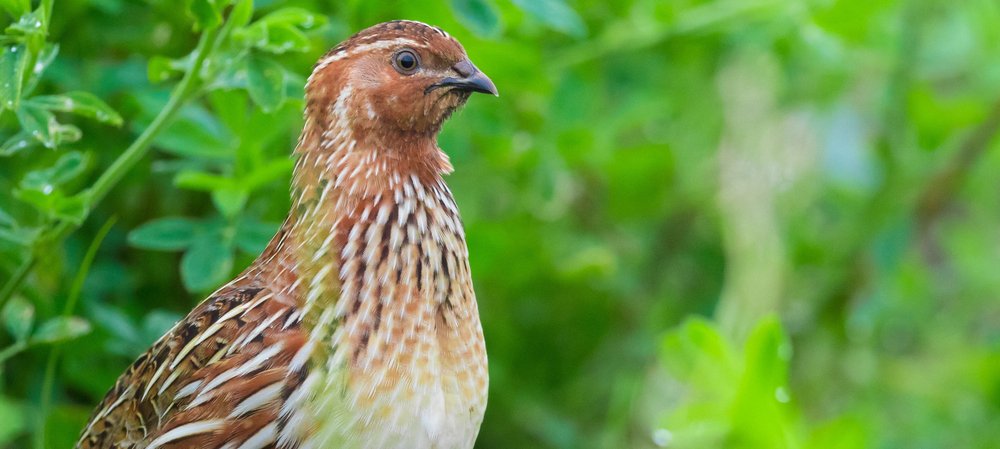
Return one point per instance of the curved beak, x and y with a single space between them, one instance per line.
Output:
470 79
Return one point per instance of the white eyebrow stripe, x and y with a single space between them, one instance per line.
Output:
377 45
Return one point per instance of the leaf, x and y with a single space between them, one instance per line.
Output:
198 180
241 13
207 263
230 201
556 14
29 24
60 329
16 143
161 68
265 82
195 133
55 204
164 234
206 13
80 103
39 123
12 62
253 236
19 317
69 166
294 16
13 420
16 7
281 38
71 208
42 62
767 353
480 16
274 169
230 106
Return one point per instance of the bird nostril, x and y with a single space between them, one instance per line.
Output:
465 68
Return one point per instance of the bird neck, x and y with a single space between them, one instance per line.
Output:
343 189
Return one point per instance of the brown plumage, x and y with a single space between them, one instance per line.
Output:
358 326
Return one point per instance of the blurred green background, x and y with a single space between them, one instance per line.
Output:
692 223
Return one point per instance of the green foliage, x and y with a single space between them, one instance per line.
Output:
667 197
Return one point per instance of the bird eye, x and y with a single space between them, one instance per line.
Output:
405 62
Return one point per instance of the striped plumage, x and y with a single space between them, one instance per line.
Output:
358 326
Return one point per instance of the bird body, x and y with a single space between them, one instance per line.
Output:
358 326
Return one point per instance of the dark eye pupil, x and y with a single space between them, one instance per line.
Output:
407 61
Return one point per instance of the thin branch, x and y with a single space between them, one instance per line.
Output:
181 95
943 186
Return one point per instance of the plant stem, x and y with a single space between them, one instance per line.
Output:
15 281
54 354
12 350
181 94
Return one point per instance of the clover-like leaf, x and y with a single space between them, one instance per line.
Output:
207 262
12 65
45 57
252 236
282 38
39 123
16 7
55 204
164 234
206 13
80 103
18 318
294 16
230 201
60 329
69 166
265 82
19 141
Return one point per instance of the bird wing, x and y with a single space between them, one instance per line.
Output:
217 377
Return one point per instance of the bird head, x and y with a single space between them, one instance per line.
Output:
398 80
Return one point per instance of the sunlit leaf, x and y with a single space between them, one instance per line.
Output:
160 68
13 419
16 7
206 13
29 24
19 317
60 329
39 123
16 143
55 204
480 16
283 38
298 17
42 62
165 234
197 180
69 166
266 82
80 103
241 13
12 61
